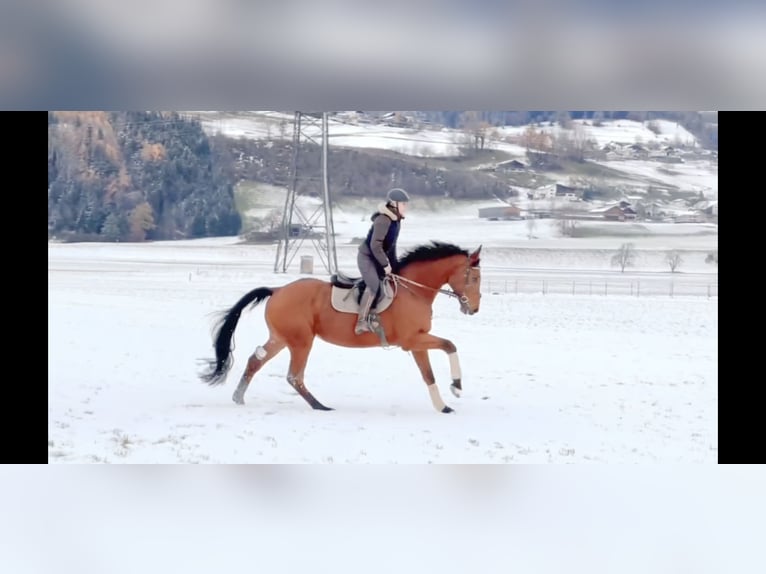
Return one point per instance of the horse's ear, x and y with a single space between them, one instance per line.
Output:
474 257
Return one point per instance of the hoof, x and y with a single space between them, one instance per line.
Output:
321 407
457 391
448 410
238 400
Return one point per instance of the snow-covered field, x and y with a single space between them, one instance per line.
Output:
559 377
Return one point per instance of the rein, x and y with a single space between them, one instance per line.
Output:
461 298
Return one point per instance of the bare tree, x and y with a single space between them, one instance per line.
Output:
476 128
566 226
283 129
674 260
536 140
531 223
598 119
625 256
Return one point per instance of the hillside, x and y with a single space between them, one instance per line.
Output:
131 176
611 157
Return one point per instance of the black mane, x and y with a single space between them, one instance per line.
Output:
431 252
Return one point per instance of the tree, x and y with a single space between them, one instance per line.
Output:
114 227
674 260
598 119
530 226
536 140
141 220
624 256
712 257
566 226
476 128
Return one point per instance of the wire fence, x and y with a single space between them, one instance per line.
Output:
602 287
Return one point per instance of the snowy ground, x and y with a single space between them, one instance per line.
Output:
559 377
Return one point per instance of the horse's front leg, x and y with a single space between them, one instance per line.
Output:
424 364
419 345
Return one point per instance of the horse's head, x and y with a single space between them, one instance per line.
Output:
465 281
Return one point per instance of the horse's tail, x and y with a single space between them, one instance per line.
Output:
223 332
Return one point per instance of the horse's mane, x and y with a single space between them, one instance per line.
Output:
430 252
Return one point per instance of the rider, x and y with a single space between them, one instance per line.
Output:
377 253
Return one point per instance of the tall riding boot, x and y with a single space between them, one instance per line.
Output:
362 321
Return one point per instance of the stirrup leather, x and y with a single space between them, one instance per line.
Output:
373 321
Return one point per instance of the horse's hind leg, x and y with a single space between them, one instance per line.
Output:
254 363
299 355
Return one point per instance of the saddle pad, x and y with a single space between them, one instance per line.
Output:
344 300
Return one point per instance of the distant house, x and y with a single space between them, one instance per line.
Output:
688 217
617 213
637 150
503 212
708 208
544 192
511 165
653 209
570 193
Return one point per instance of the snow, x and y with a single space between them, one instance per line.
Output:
432 141
572 375
690 176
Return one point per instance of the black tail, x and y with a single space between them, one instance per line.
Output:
218 368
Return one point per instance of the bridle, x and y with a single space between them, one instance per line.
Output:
462 298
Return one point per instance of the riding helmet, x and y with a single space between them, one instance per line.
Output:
397 194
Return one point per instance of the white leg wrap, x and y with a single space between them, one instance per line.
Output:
436 398
454 366
260 352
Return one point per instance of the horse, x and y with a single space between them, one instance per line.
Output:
299 311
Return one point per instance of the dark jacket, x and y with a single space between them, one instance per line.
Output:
380 243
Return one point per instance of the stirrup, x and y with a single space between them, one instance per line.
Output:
376 327
362 326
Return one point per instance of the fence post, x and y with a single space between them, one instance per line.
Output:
590 287
506 285
631 287
638 288
708 291
543 286
604 288
671 289
573 287
517 286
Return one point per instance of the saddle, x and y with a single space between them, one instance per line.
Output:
347 293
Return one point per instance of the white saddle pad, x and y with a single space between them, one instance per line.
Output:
344 300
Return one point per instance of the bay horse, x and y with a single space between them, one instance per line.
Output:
298 312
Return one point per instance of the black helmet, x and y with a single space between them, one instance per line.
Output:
397 194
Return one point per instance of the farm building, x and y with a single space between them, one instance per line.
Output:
500 212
